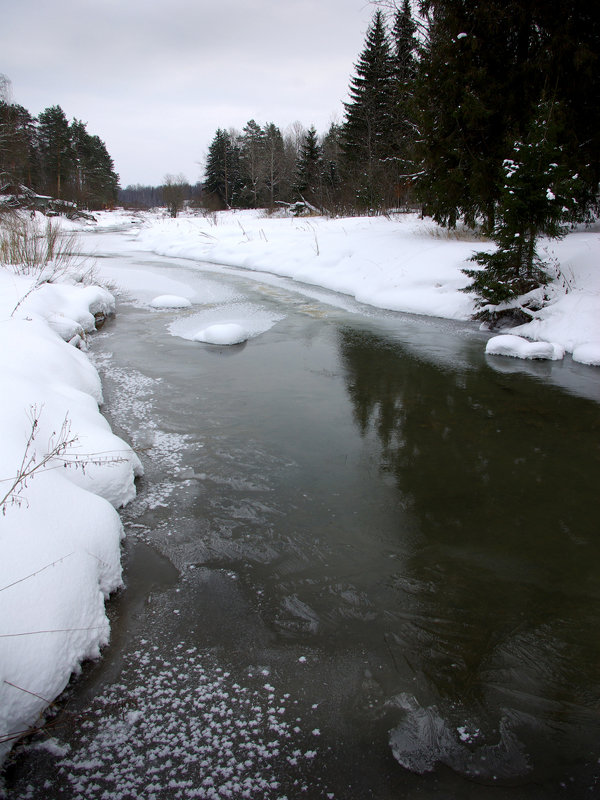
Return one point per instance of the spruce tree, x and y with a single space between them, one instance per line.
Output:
331 148
274 164
222 179
366 140
402 133
309 169
539 196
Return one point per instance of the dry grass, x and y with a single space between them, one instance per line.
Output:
460 234
31 246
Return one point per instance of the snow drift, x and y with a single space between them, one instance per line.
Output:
63 473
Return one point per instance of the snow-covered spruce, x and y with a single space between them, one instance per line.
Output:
63 473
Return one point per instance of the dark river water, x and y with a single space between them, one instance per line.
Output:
363 563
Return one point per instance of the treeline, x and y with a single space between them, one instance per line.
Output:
55 157
175 188
482 112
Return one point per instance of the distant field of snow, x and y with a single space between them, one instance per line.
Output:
402 263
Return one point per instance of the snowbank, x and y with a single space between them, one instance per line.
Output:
59 531
517 347
402 264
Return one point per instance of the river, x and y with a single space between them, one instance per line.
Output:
362 563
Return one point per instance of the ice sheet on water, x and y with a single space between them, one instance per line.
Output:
424 739
250 318
170 301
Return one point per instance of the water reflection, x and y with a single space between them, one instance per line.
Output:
494 624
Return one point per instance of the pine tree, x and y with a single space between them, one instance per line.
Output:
402 133
369 117
56 150
274 163
252 163
309 169
332 155
19 159
94 183
222 179
483 72
539 196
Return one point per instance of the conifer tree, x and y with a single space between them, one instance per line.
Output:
94 182
309 168
539 196
222 178
58 159
331 148
19 159
402 132
274 163
366 140
252 163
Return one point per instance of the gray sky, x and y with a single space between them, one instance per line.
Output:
155 79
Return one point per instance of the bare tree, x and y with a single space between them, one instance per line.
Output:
5 89
174 193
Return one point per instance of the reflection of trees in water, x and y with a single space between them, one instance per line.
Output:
496 600
480 455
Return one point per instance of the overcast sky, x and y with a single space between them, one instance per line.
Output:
155 79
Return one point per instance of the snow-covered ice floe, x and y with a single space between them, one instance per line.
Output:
226 324
225 333
588 354
170 301
63 473
518 347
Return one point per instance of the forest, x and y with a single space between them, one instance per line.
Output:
54 157
482 112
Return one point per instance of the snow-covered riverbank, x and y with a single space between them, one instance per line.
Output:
59 531
401 263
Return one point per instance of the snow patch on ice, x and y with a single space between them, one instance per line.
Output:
224 333
225 324
170 301
588 353
518 347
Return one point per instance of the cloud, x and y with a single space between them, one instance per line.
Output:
155 80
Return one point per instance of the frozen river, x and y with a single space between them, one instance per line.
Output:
363 560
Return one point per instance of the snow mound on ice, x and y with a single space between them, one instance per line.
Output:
170 301
517 347
588 353
229 323
225 333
